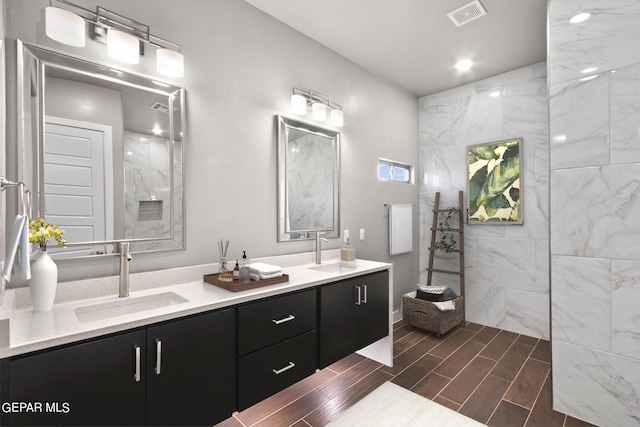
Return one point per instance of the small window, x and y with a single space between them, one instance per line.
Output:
389 170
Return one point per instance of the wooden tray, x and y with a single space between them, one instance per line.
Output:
237 286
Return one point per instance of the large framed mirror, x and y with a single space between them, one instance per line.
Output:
308 180
102 151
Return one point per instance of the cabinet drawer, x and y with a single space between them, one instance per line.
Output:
264 323
268 371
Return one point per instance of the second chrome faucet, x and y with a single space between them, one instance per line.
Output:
319 240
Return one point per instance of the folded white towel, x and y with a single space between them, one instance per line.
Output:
445 305
261 268
257 276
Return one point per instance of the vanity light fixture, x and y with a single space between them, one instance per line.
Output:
124 37
300 101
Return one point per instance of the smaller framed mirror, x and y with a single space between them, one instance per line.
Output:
308 180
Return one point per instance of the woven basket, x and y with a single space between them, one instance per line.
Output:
425 315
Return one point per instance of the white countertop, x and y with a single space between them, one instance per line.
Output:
29 331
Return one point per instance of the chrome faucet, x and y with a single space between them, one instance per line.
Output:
319 239
125 259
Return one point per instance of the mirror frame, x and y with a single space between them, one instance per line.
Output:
284 125
33 60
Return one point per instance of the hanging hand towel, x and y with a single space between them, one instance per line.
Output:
19 237
400 228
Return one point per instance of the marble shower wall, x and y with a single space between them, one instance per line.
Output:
147 178
506 267
594 209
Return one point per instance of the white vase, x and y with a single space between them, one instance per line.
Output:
43 283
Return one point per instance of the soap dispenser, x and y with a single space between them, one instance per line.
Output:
244 275
348 255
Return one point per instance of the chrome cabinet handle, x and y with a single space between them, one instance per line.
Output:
286 368
136 375
158 356
359 298
364 297
283 320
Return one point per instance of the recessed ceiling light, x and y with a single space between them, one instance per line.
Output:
589 70
560 138
494 94
581 17
156 130
464 65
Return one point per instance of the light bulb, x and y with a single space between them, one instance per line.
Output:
318 111
123 46
64 26
170 63
298 104
337 118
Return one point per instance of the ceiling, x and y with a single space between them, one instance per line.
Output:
413 43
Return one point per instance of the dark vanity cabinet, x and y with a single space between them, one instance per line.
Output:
177 373
92 383
198 369
353 314
191 370
277 344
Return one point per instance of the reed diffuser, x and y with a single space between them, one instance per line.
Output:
226 275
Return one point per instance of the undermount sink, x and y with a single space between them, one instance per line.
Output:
335 267
122 307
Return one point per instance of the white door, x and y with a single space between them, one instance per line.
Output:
78 174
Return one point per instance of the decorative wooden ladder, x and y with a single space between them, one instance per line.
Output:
460 250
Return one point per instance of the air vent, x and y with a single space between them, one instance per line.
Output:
159 106
467 13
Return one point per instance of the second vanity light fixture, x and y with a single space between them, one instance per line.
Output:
301 100
124 37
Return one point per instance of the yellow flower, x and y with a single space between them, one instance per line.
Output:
40 232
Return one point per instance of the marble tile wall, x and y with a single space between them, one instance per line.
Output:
594 109
147 177
506 267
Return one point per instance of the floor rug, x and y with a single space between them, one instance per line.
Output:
392 405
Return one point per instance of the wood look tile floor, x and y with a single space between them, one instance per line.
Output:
496 377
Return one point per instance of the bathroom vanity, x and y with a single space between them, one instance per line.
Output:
205 353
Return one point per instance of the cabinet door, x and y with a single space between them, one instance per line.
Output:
338 321
93 383
191 370
374 308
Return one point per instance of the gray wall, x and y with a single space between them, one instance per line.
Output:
595 206
241 66
506 267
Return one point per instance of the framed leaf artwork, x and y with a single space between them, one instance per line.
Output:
494 189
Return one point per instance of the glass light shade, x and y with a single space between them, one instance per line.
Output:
170 63
337 118
298 104
64 26
318 111
123 47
